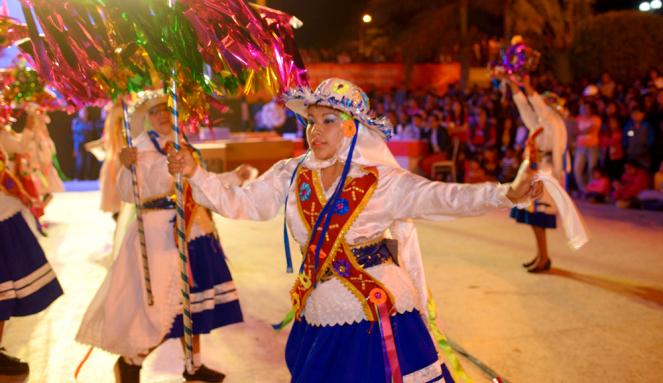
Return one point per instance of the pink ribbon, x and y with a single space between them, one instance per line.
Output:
389 346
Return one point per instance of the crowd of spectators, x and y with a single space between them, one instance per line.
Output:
615 134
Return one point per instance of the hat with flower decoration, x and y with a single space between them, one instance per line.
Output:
341 95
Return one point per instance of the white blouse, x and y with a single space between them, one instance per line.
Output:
536 114
154 181
399 195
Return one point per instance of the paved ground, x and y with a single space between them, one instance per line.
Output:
597 317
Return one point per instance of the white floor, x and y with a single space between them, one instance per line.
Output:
598 316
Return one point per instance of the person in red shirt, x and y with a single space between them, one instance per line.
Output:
634 180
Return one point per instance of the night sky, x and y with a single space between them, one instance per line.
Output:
326 22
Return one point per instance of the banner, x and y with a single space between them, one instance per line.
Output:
384 76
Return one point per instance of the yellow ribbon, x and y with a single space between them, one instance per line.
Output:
456 369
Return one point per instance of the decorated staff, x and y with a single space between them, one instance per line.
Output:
181 243
139 211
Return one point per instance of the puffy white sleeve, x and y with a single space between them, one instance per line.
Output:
527 113
413 196
553 121
144 173
258 200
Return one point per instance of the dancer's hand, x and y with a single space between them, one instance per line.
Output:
181 162
128 157
524 186
527 84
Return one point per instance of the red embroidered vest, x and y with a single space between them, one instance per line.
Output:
336 259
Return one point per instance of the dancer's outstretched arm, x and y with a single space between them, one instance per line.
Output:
259 200
417 197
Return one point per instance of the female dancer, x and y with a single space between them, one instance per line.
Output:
119 318
550 143
359 298
27 282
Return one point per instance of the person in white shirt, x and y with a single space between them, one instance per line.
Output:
119 318
553 160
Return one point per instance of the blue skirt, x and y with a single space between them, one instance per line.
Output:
27 283
353 352
214 300
537 218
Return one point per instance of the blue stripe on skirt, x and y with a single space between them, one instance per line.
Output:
538 219
209 269
353 352
21 256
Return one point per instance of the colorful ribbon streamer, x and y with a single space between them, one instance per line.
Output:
458 372
392 367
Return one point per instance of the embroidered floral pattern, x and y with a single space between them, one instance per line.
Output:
342 206
342 267
305 191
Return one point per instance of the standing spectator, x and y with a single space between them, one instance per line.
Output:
615 161
605 134
506 135
587 144
85 128
607 86
638 138
456 123
482 131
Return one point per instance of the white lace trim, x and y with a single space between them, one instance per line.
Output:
331 303
425 374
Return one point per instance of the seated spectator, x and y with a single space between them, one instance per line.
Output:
634 180
439 146
653 199
598 189
490 163
474 173
412 131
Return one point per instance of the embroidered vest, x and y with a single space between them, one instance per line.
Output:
336 259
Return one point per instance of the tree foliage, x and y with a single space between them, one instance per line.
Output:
624 43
